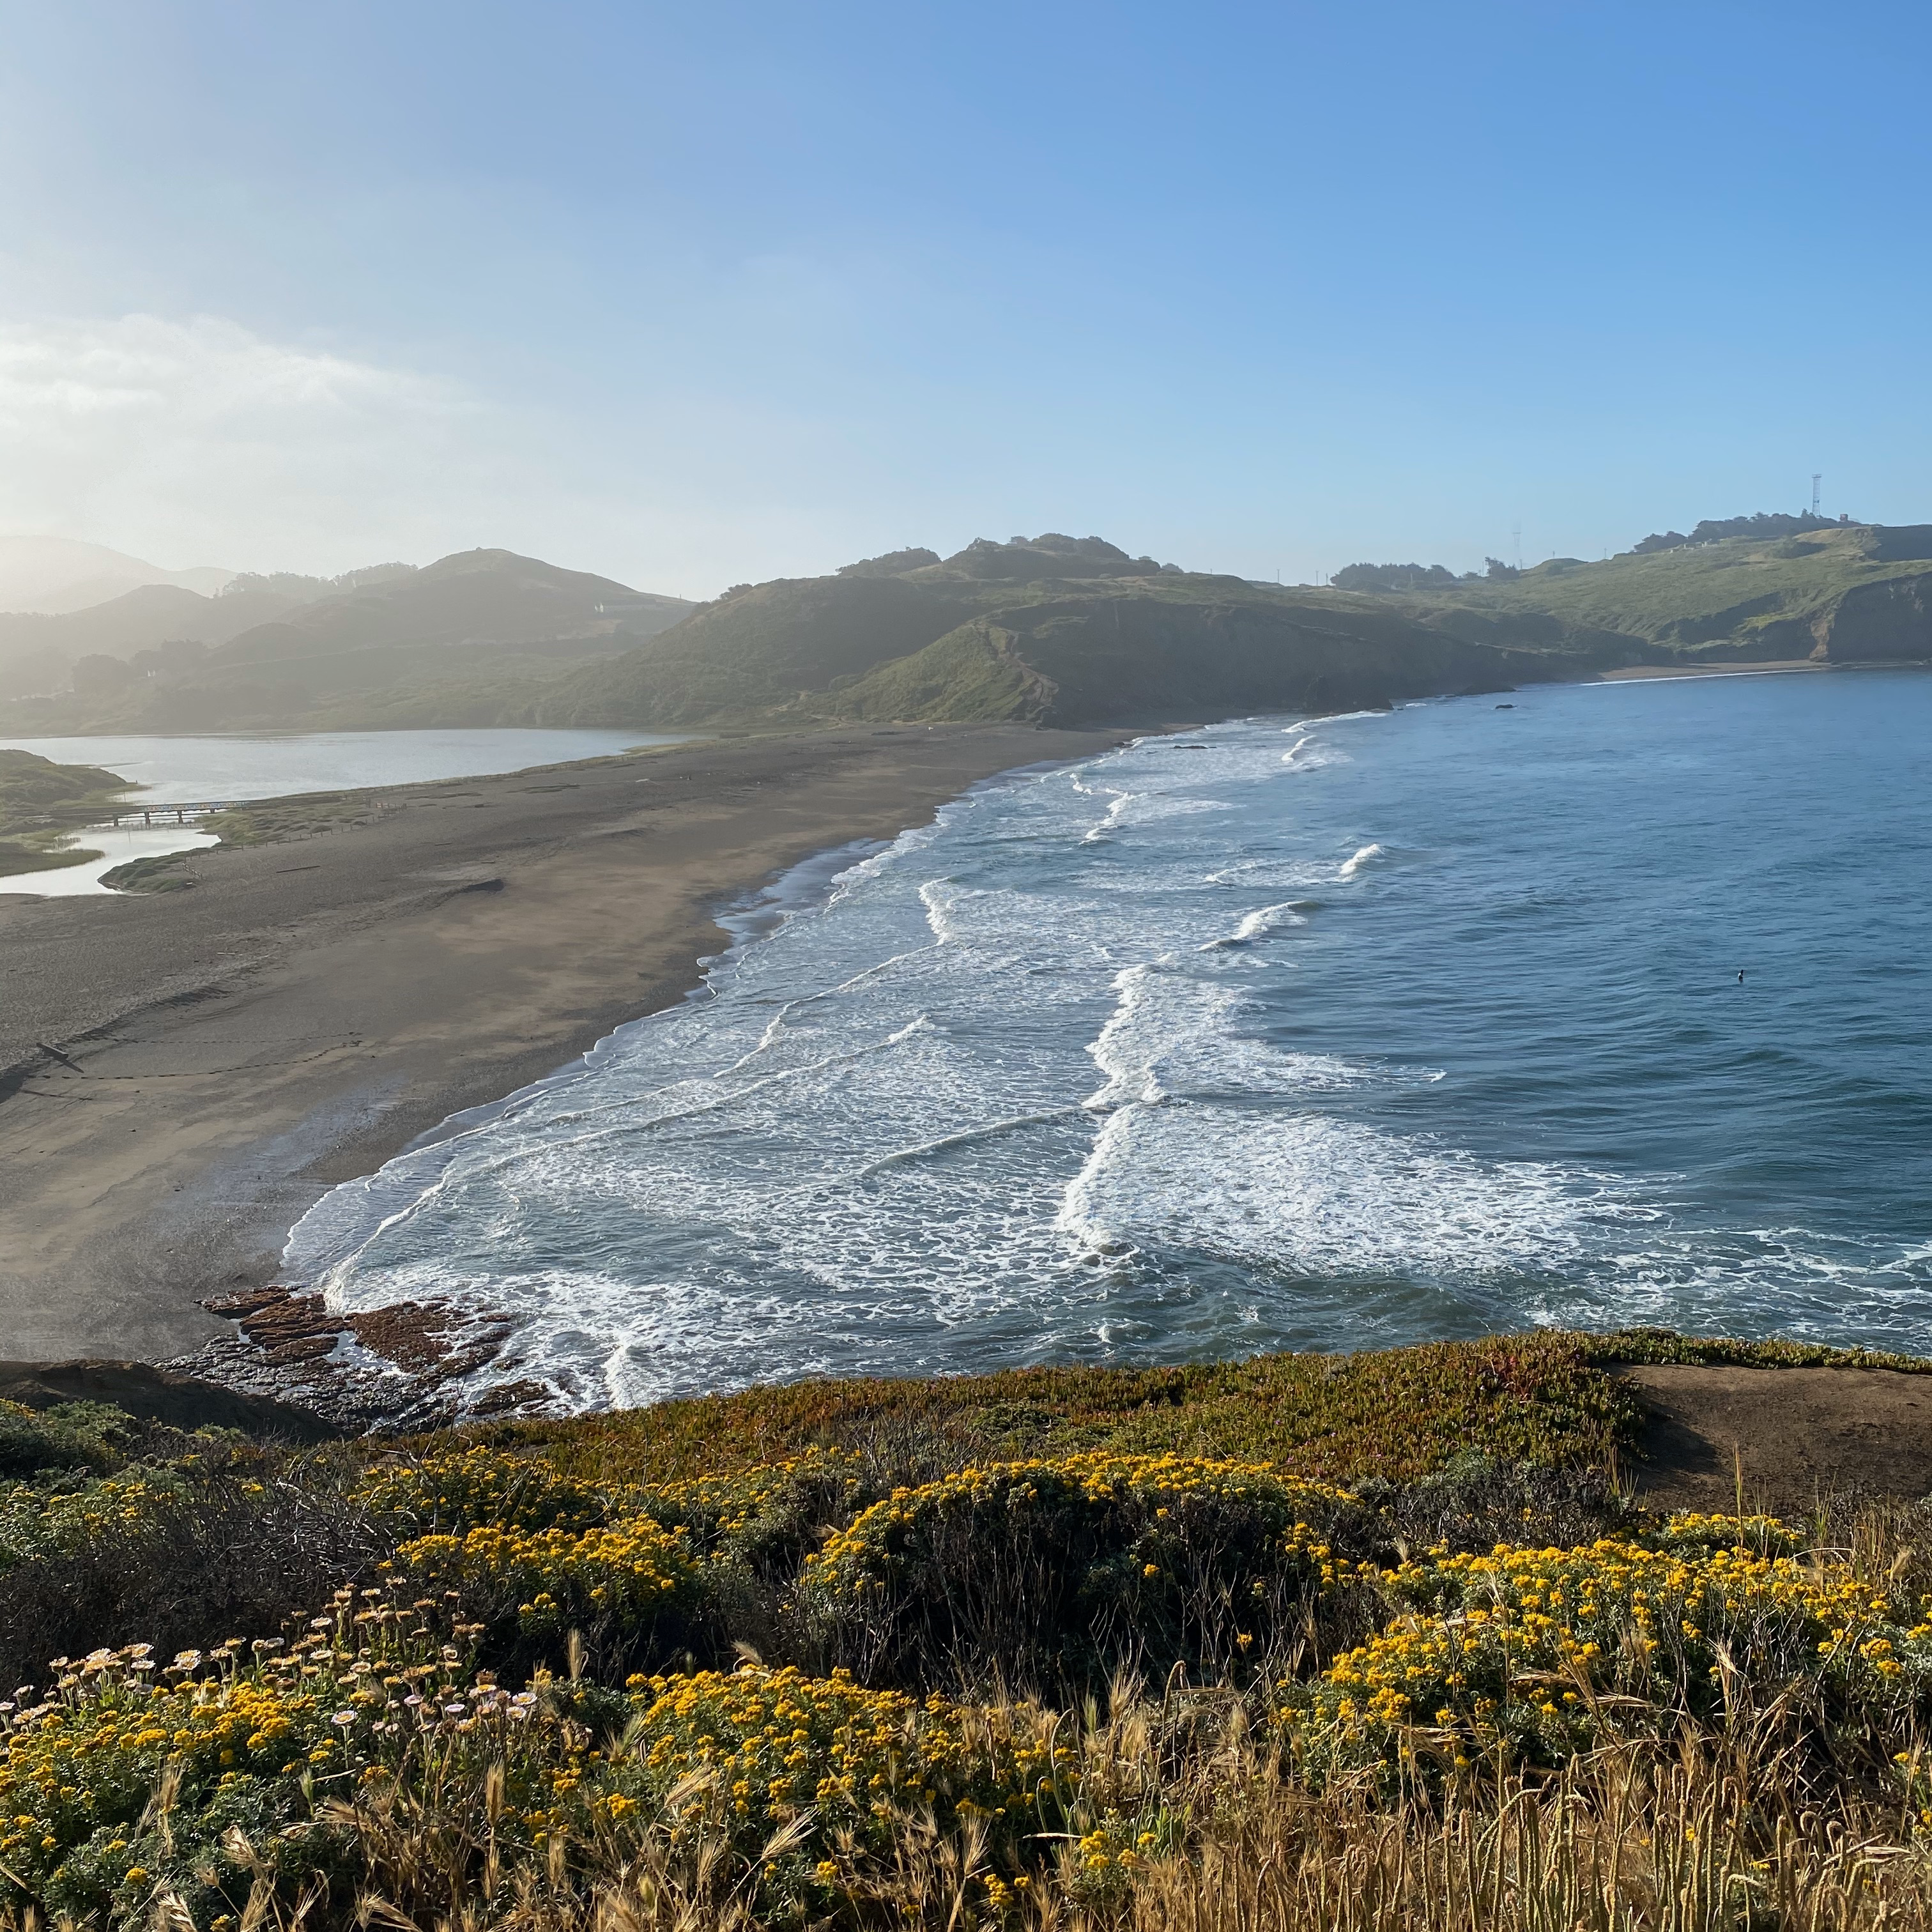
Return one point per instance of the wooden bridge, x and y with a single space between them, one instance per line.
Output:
182 813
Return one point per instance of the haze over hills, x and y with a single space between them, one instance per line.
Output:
51 574
1051 629
282 650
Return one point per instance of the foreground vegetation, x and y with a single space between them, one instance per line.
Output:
1374 1641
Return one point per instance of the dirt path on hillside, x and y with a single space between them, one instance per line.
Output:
1795 1433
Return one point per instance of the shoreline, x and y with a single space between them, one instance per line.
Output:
341 997
176 1093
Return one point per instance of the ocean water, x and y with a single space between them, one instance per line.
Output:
1321 1033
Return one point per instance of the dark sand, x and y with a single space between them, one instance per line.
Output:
222 1055
1767 668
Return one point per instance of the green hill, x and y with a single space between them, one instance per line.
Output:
1054 629
1840 593
1059 630
41 802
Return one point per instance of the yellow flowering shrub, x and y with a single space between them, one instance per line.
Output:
242 1748
1693 1529
38 1522
766 1514
278 1759
628 1575
1541 1653
1057 1572
751 1750
456 1489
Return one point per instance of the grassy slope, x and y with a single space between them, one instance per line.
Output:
1674 1690
961 640
939 644
1739 599
1396 1413
41 802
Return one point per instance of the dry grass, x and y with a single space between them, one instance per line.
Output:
1174 1830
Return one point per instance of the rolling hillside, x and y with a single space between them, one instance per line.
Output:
272 652
1840 593
1056 629
38 652
1053 629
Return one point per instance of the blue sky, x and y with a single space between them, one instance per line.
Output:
693 295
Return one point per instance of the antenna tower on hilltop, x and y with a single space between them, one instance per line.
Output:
1817 477
1516 531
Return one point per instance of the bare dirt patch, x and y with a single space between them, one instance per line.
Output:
1796 1434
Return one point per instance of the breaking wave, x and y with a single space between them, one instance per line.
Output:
1099 1065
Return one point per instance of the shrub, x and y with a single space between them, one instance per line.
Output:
739 1755
367 1757
767 1517
1538 1655
629 1589
1474 1502
1062 1573
172 1557
456 1489
75 1435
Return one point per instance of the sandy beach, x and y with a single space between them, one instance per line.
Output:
1631 673
182 1073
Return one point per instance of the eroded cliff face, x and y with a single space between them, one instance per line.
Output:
1887 621
1104 660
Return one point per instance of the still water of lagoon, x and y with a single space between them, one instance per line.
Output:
169 770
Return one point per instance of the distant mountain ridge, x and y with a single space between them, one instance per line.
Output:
1760 589
50 575
1055 629
288 649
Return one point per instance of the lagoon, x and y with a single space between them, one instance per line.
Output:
171 770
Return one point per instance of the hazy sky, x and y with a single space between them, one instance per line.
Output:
694 295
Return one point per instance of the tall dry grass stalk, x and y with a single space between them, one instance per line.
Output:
1635 1839
1612 1846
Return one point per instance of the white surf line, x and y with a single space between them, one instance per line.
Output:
517 1156
967 1137
1122 799
775 1025
1258 924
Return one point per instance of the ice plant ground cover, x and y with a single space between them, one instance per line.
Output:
895 1673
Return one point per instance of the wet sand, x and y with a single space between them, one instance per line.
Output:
182 1073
